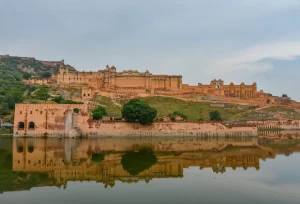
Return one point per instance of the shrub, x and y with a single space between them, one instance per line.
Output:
98 113
26 76
46 75
76 110
42 93
215 116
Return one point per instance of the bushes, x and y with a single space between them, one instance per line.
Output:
99 113
215 116
176 113
26 76
138 111
61 100
46 75
42 93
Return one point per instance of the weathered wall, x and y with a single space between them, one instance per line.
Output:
162 129
60 120
43 119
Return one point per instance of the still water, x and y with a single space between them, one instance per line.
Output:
149 170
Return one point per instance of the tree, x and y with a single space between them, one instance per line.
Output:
76 110
46 75
14 96
215 116
98 113
138 111
42 93
284 95
26 75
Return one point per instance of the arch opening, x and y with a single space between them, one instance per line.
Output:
31 125
21 125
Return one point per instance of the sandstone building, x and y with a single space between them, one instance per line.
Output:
133 81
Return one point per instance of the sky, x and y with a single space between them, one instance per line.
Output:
234 40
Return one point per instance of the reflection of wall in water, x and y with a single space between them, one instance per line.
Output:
66 160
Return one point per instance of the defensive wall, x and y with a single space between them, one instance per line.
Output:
62 120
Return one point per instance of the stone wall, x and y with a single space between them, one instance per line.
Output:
45 119
55 120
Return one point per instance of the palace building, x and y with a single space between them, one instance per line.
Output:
133 81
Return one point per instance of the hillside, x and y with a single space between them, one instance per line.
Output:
12 71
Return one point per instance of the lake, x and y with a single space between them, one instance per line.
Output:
150 170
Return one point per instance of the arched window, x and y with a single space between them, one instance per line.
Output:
88 94
30 149
83 94
19 148
31 125
21 125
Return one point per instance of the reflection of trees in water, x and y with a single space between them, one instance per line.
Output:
136 162
97 157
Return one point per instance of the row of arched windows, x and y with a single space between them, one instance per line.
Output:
21 125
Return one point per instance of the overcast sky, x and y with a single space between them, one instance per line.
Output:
235 40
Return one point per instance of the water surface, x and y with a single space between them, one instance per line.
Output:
149 170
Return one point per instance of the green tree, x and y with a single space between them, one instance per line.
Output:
215 116
42 93
284 95
76 110
98 113
26 75
13 96
46 75
138 111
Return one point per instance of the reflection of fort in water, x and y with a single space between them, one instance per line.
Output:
70 160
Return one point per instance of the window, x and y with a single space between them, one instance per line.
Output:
31 125
41 112
20 112
21 125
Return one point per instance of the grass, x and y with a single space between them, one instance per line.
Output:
280 109
167 105
110 106
193 110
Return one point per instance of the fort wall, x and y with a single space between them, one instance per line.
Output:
55 120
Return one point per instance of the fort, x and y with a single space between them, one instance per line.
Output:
133 81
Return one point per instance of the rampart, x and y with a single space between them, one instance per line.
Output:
62 120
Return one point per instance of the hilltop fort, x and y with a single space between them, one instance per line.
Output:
110 80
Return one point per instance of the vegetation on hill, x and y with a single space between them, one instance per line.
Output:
215 116
98 113
138 111
12 90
